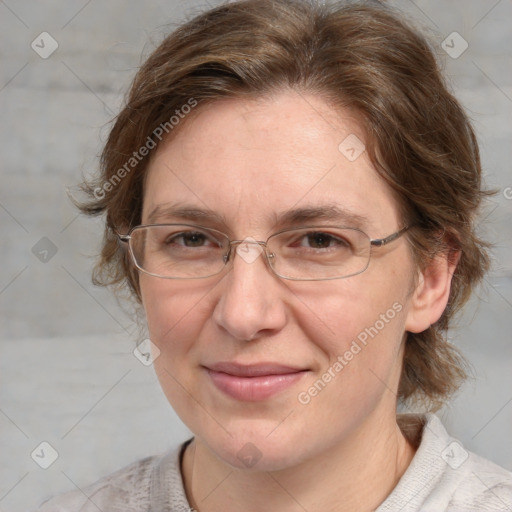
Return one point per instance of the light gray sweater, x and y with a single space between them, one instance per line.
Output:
441 477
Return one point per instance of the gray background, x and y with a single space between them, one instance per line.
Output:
68 373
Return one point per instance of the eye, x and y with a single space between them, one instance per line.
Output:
322 240
191 239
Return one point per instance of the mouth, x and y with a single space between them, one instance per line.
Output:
253 383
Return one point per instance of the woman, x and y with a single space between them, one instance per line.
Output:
290 194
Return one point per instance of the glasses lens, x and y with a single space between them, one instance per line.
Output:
319 253
178 250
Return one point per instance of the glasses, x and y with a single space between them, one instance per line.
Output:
314 253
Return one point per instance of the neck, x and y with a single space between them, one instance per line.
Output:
356 475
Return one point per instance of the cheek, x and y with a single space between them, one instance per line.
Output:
360 337
175 313
351 310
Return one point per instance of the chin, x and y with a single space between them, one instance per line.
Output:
253 450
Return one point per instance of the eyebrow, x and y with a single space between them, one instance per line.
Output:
191 213
295 217
327 213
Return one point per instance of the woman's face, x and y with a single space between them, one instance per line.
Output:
263 369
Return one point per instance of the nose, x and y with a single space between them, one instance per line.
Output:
251 301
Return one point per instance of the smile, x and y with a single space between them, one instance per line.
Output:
255 382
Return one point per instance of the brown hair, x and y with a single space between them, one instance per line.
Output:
360 56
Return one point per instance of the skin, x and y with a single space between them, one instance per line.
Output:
249 161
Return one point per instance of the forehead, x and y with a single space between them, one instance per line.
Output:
251 160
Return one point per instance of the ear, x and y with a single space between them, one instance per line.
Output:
432 291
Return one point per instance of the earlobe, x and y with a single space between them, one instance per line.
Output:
431 293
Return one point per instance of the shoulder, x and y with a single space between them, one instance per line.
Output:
482 486
127 489
468 482
444 476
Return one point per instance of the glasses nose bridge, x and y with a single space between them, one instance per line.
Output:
247 241
234 243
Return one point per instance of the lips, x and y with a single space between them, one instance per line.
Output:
253 382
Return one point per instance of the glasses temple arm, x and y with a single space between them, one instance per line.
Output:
379 242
